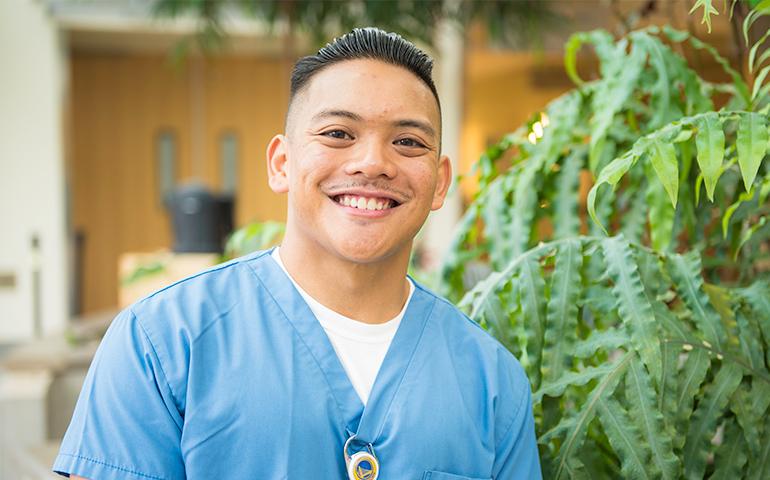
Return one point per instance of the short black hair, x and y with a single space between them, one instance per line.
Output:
365 43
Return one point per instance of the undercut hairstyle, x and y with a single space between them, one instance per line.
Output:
365 43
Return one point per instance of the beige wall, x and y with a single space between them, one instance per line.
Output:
33 88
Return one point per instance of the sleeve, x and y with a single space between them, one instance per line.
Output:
126 424
517 457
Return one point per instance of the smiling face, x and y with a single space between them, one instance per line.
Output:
360 161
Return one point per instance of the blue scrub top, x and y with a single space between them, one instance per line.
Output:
228 374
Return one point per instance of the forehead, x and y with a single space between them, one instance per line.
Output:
371 89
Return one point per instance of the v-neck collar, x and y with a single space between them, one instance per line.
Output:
365 422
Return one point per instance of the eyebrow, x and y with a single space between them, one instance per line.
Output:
420 125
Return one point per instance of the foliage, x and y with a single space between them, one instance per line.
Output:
648 350
252 237
507 22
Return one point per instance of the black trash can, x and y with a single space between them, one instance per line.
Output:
200 219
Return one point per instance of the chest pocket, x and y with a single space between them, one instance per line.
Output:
434 475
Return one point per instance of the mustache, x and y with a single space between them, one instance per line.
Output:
379 185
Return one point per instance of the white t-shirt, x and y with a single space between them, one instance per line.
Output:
361 347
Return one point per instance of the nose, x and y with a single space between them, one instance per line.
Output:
373 160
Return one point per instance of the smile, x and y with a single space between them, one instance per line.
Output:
365 203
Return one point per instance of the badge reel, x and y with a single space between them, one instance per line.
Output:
361 465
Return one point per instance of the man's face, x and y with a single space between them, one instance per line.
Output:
360 160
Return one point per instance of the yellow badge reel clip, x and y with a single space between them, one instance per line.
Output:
361 465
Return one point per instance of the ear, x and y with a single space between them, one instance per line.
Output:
277 164
443 180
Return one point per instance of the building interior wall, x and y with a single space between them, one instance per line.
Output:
120 104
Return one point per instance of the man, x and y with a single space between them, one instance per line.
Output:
320 359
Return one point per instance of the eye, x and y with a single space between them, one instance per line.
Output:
338 134
409 142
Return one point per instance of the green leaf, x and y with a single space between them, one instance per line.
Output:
557 387
624 438
576 426
710 141
532 291
750 340
743 198
562 311
708 10
566 221
757 296
758 81
660 214
754 50
731 455
759 468
695 368
600 340
523 212
668 382
749 232
752 146
749 407
616 86
663 158
704 421
632 303
610 174
685 271
641 396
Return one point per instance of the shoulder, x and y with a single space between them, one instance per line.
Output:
178 314
471 343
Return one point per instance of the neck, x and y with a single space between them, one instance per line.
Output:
368 292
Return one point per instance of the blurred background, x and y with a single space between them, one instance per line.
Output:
132 138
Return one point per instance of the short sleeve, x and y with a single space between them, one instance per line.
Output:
517 455
126 424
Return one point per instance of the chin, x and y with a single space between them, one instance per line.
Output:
363 251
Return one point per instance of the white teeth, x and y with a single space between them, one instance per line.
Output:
364 203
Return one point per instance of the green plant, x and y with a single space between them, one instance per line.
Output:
648 351
252 237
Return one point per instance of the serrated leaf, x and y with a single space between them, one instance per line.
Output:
557 387
703 423
576 426
731 455
759 467
562 310
641 396
708 10
619 78
532 291
694 372
710 141
668 381
566 220
757 296
749 407
605 340
752 146
523 210
633 306
749 338
624 438
685 271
